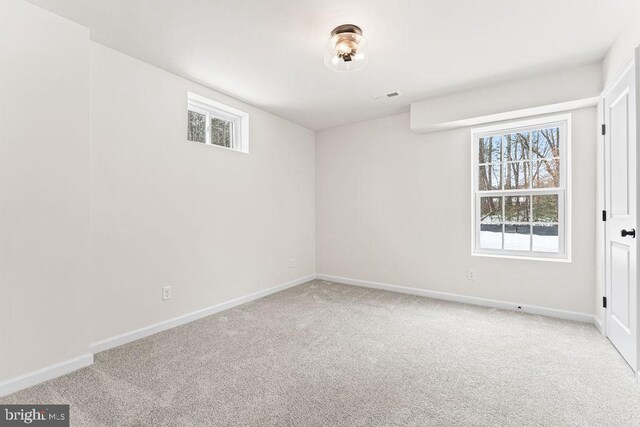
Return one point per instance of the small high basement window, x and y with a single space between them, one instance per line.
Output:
520 189
212 123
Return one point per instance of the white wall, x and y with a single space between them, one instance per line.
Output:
213 223
394 207
622 49
44 178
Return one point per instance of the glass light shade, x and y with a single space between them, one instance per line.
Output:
346 51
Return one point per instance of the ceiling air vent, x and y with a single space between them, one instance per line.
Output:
387 95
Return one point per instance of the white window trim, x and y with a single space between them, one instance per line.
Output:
213 109
564 203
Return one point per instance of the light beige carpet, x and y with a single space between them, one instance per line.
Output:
329 354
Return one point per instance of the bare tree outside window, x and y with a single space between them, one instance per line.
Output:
221 132
196 129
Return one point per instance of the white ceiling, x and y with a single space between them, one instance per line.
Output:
270 52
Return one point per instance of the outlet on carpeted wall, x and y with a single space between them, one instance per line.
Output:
166 293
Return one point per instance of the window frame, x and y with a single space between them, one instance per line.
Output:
212 109
563 122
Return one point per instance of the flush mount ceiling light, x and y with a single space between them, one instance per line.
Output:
346 49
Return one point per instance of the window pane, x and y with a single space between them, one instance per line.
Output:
490 177
491 236
545 232
491 210
491 222
490 147
545 238
545 208
545 143
517 175
516 208
516 146
196 129
221 132
517 237
546 174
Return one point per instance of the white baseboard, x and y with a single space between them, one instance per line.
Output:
50 372
128 337
599 325
532 309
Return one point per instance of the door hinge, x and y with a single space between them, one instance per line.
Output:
604 302
604 215
604 129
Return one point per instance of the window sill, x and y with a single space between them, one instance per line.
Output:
523 258
218 146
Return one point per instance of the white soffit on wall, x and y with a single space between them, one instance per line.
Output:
549 93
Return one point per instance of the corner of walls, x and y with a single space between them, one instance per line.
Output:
623 48
44 259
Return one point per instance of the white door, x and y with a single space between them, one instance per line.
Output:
619 104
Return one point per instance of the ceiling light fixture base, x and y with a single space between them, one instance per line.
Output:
346 49
346 28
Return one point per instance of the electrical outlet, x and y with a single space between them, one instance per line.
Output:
292 264
166 293
471 274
